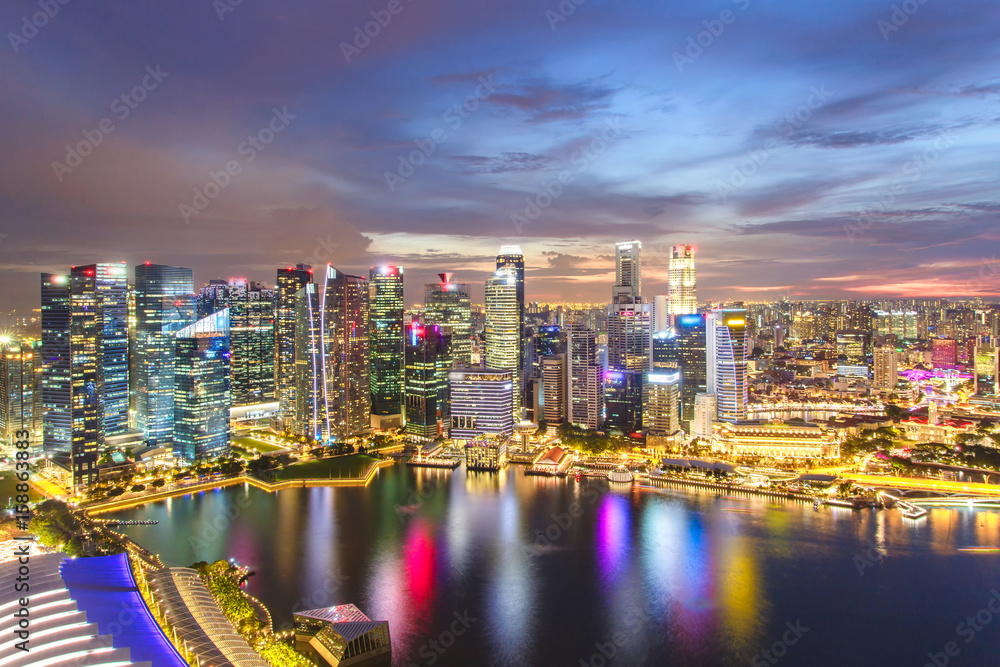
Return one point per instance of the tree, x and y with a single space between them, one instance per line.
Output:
894 412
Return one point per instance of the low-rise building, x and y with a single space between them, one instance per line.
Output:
793 440
486 453
342 635
553 462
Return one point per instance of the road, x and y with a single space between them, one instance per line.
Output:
990 490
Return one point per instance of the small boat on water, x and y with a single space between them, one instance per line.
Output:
913 512
621 475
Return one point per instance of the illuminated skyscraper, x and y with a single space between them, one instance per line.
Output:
290 281
428 362
482 403
661 402
164 304
586 381
311 417
201 388
945 353
555 393
886 374
386 330
503 328
987 371
510 256
251 335
629 336
726 338
623 400
20 392
683 347
448 305
345 303
628 269
55 359
681 281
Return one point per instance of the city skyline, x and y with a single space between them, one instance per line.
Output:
770 187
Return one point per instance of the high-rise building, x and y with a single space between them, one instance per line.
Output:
251 335
623 400
555 393
201 388
886 373
726 362
511 257
428 362
55 362
448 304
482 403
945 352
503 327
20 392
290 281
987 371
332 357
586 381
661 402
386 331
628 269
683 347
681 281
110 284
164 304
629 336
706 407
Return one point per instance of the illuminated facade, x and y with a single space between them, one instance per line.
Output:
682 281
504 342
886 371
486 453
428 362
987 371
448 304
481 403
628 269
201 388
386 331
777 441
661 402
164 304
629 336
510 257
251 335
586 381
554 390
20 391
332 357
56 388
684 347
726 362
623 401
290 281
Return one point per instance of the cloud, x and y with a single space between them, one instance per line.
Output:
505 162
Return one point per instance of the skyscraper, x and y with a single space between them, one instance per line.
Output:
503 327
20 392
681 281
623 400
428 362
311 417
201 388
885 361
629 336
628 269
386 330
726 337
251 335
586 382
448 304
56 374
85 355
510 256
109 285
482 403
683 347
554 390
290 281
345 305
661 414
164 304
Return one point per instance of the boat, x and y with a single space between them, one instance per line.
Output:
913 512
621 475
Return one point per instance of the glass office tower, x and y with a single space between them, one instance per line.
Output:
386 331
201 388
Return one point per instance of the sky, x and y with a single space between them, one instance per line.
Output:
822 149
